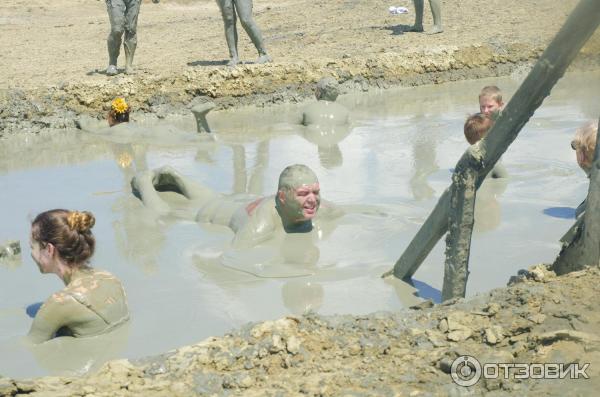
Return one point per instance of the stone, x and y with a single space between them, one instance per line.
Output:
459 335
443 325
494 334
537 318
7 387
293 345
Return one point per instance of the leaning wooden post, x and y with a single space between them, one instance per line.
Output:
460 226
460 223
580 25
581 244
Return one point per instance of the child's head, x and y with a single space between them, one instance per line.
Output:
584 144
476 126
490 100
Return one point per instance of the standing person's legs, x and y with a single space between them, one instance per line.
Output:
116 15
131 18
244 11
436 11
230 20
419 7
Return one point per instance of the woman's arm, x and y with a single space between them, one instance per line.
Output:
58 311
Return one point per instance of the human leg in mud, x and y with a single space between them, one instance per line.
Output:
230 10
436 11
146 185
123 15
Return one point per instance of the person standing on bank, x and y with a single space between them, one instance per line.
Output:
436 12
123 15
93 301
243 9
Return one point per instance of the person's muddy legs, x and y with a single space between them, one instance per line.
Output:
130 42
244 11
142 186
146 185
229 22
418 25
116 15
436 11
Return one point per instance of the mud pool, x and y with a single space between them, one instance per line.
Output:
184 285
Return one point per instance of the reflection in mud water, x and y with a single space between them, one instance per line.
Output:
387 168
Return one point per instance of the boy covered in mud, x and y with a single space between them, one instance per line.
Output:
253 220
490 101
476 127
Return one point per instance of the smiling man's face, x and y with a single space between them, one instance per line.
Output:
307 199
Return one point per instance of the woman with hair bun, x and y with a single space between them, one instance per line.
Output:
93 301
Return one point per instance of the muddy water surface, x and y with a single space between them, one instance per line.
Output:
388 169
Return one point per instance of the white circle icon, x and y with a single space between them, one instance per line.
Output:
465 371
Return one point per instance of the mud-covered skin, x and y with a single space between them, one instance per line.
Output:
230 10
123 16
92 303
253 219
436 12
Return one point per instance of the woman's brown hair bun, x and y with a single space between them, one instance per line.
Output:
81 221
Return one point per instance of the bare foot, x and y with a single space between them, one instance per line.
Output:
264 59
129 70
435 30
233 62
111 70
416 28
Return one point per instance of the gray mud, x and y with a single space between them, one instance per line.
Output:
539 319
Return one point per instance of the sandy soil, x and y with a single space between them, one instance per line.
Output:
56 52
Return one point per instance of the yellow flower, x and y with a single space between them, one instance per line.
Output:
119 106
124 160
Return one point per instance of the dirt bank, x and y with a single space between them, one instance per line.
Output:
540 319
56 53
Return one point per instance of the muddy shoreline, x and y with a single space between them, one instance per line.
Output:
59 107
539 318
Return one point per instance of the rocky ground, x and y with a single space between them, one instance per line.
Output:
539 318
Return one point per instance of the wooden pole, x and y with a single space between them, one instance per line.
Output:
580 25
460 229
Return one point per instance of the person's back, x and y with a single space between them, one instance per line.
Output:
93 301
104 300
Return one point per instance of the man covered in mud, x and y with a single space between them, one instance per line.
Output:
123 15
230 10
293 209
